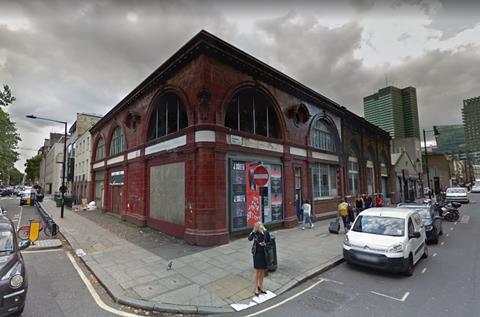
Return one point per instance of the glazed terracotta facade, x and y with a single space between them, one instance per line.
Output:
205 74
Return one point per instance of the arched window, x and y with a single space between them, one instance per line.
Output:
370 173
100 152
250 111
169 116
353 174
322 137
117 145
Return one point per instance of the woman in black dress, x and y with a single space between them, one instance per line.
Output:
260 238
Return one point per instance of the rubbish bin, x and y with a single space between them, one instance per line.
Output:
272 254
58 201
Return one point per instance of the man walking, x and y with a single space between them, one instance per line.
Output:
343 213
307 209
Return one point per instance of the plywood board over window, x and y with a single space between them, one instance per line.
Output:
167 193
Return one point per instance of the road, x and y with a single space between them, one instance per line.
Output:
447 283
55 286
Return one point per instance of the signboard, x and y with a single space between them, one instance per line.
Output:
260 176
117 178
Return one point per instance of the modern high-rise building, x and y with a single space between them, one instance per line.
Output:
394 110
471 123
449 138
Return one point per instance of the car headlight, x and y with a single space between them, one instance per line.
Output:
428 228
346 241
397 248
16 281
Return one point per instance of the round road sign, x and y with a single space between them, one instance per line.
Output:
260 176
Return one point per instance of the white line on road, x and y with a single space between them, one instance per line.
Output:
424 270
20 217
434 254
42 251
286 300
329 280
397 299
443 242
93 292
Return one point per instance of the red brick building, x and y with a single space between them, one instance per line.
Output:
180 151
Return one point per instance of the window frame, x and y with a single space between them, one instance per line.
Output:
325 181
161 107
322 137
353 175
117 142
102 156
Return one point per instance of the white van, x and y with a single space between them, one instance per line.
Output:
386 238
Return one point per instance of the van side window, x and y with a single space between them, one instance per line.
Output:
411 229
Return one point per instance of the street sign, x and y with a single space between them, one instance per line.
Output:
260 176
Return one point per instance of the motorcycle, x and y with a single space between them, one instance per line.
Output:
448 211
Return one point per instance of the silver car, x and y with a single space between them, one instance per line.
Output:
457 194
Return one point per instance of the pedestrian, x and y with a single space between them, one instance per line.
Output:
307 208
368 202
379 201
260 237
359 204
343 213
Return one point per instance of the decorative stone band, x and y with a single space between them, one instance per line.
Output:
167 145
133 155
325 156
256 144
98 164
298 151
114 160
204 136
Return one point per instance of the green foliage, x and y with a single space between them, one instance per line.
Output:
16 176
9 137
32 168
6 96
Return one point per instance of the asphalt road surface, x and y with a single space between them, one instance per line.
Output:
447 283
55 287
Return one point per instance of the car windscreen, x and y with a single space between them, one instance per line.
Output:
385 226
456 191
6 241
424 213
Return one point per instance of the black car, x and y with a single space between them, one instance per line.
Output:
6 192
13 280
430 218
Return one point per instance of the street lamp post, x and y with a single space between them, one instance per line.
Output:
62 189
436 133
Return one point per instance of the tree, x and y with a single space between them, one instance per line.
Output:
32 168
9 137
16 176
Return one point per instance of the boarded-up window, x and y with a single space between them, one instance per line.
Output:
167 193
99 177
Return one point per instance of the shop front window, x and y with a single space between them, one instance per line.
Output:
250 203
252 112
325 181
353 175
370 178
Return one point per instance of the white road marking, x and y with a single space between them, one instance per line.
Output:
465 219
20 217
329 280
93 292
434 254
397 299
443 242
424 270
286 300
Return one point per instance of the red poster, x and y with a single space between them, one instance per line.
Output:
253 197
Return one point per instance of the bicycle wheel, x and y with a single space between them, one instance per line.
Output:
23 232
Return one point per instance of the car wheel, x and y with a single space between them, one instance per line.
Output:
425 251
410 267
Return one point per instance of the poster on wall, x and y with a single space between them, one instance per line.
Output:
276 192
251 203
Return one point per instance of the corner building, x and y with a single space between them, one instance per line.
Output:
179 152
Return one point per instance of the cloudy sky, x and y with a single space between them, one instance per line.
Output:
63 57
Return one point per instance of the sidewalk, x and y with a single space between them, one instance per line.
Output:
205 280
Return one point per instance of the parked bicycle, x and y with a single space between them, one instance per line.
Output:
23 232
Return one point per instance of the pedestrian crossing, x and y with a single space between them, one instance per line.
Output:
8 198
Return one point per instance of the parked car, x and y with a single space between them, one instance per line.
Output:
430 219
475 188
6 192
390 239
13 284
457 194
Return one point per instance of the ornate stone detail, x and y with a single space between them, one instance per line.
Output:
204 98
132 120
299 113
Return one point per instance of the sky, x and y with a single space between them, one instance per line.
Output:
63 57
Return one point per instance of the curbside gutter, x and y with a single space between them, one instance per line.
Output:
118 295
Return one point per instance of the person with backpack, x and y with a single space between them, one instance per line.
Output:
343 213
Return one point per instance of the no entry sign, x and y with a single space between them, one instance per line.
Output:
260 176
